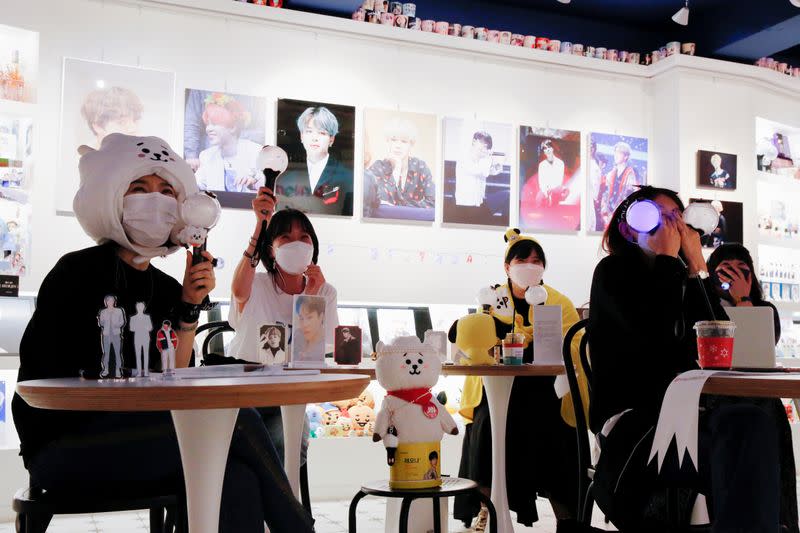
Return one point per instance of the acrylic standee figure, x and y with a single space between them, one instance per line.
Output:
111 320
141 325
411 420
167 342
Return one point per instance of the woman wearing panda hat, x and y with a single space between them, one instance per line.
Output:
128 202
540 446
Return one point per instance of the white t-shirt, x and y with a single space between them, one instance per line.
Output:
551 175
270 305
471 180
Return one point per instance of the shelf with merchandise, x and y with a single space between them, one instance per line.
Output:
19 57
792 242
17 109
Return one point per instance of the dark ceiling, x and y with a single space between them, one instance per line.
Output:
740 30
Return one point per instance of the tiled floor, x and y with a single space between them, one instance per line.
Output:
331 517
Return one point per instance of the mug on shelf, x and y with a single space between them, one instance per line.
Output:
673 48
428 25
554 45
468 32
577 49
566 47
688 49
517 39
454 30
481 34
542 43
387 18
505 37
529 42
493 36
441 27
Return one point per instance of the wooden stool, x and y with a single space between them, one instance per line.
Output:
451 486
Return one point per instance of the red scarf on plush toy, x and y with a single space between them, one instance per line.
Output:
421 397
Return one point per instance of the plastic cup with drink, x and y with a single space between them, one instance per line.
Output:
715 343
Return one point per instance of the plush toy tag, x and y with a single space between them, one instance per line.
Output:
430 410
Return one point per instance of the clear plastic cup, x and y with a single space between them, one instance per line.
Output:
513 348
715 343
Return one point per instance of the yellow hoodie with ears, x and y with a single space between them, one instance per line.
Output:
473 385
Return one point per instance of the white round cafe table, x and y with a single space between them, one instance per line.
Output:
204 413
497 380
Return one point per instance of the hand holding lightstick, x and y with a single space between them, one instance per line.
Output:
272 162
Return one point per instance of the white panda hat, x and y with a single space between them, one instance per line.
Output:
105 176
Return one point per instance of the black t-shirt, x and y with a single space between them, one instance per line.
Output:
64 336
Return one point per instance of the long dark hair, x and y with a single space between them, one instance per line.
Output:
282 222
732 251
614 242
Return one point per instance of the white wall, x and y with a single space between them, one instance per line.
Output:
214 53
682 105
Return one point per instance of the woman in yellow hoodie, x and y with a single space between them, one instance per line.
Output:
541 450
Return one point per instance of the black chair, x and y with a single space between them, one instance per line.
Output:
35 507
451 486
585 467
215 358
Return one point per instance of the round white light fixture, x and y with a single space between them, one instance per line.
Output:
795 3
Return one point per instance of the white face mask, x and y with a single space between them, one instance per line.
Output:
149 218
526 274
294 257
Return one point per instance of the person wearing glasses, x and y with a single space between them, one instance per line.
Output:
736 283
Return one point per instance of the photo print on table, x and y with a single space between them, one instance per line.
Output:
308 331
400 165
272 344
617 163
347 345
716 170
730 226
478 157
319 140
99 99
223 134
549 175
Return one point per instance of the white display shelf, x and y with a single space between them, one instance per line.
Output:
793 244
778 180
407 37
17 109
789 307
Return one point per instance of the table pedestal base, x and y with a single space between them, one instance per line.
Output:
204 437
293 418
498 393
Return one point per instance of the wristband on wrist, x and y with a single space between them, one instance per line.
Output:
189 313
192 327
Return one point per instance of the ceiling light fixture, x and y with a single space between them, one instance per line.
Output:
795 3
682 16
568 1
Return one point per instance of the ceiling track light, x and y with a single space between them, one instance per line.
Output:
568 1
682 16
795 3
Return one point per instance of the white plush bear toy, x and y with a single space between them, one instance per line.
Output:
407 369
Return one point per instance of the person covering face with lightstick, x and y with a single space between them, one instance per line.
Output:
644 303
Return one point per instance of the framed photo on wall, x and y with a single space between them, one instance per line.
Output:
730 226
716 170
100 98
549 175
400 165
616 164
319 140
478 158
223 134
